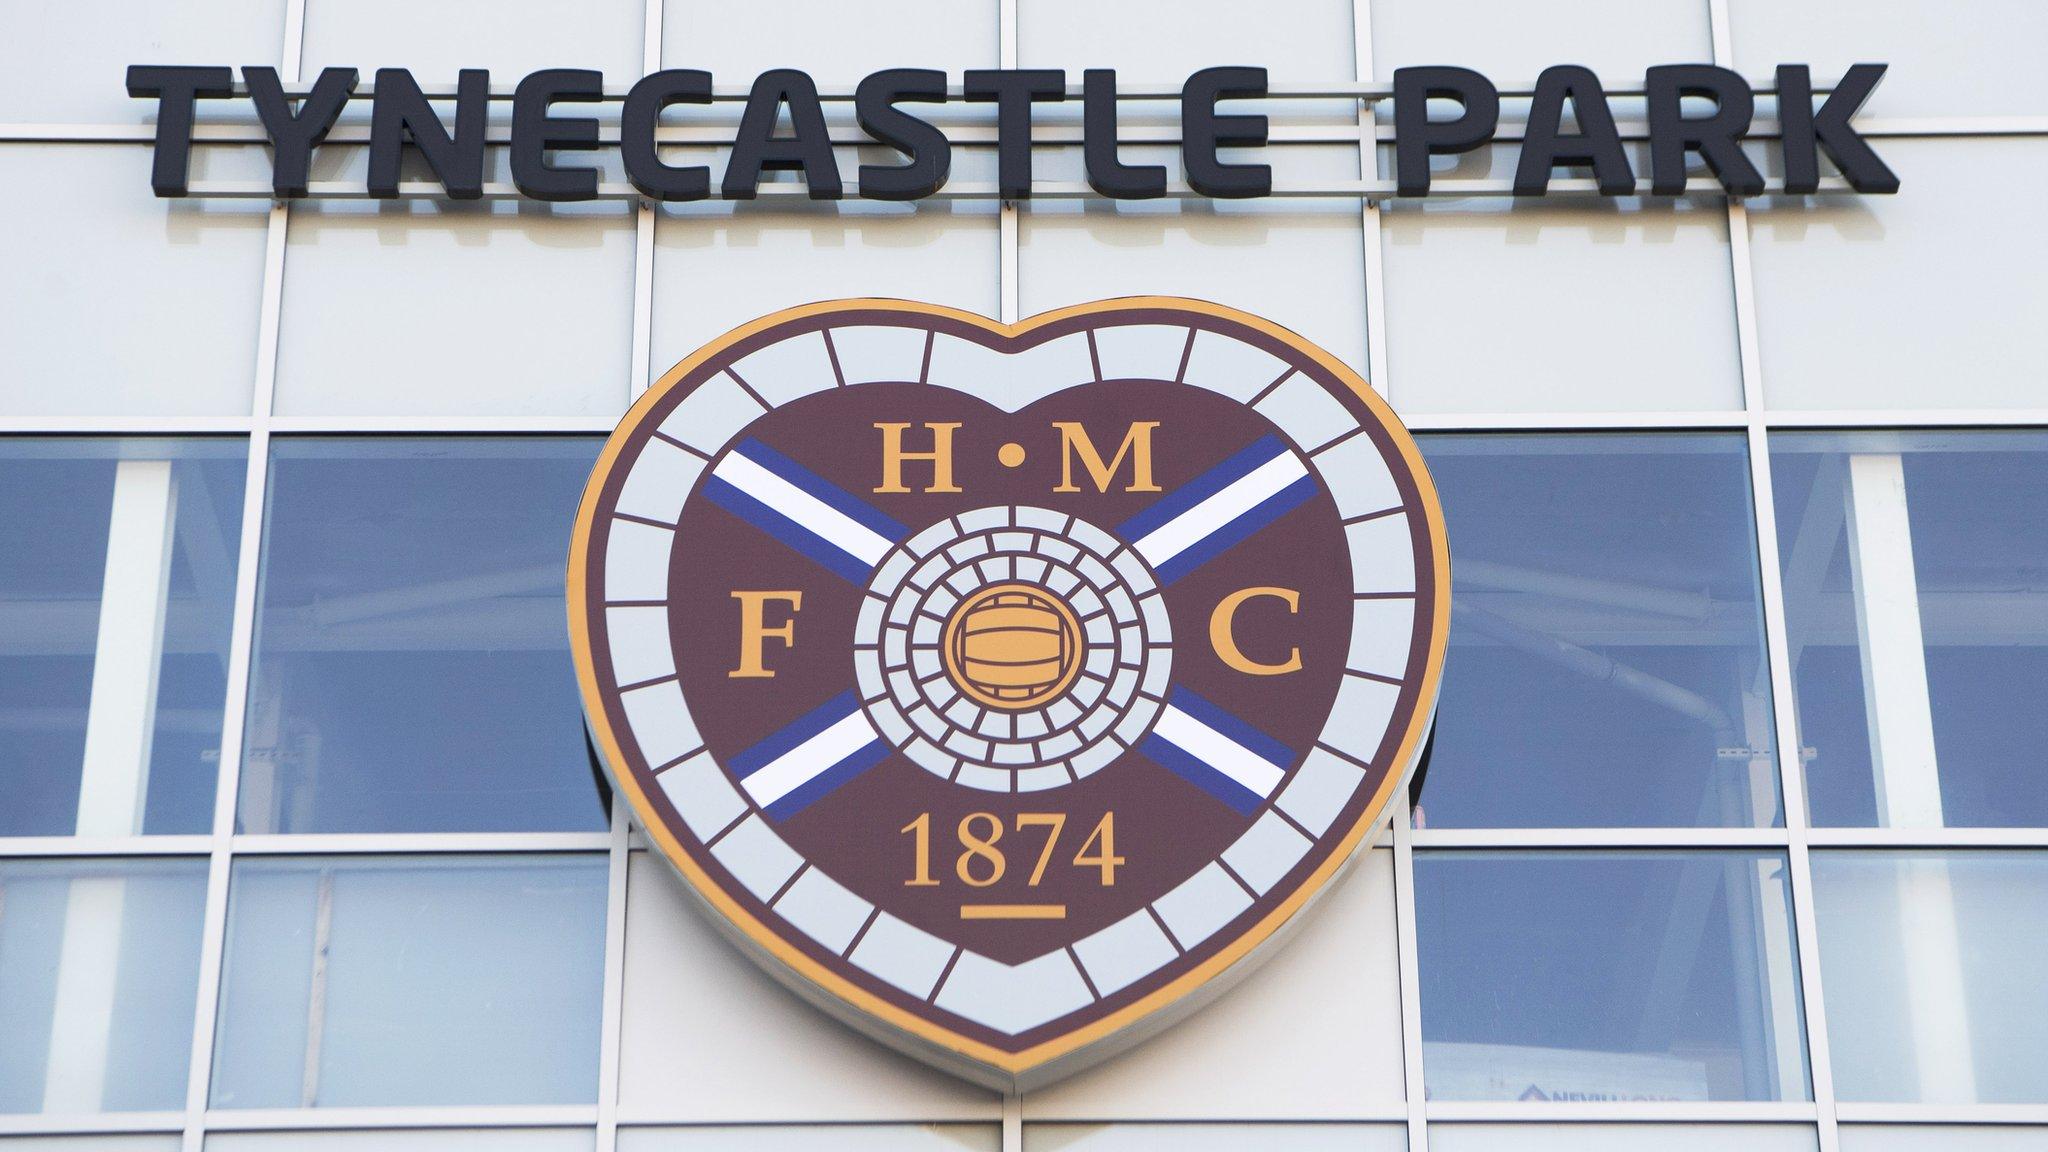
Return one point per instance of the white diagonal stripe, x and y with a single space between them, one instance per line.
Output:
1218 751
1203 520
801 764
835 527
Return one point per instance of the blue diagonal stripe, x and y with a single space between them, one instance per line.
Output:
789 532
1236 467
1237 797
839 499
1237 531
1251 739
808 725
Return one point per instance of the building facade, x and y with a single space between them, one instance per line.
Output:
1734 831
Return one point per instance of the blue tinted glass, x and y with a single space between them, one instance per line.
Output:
1606 659
444 980
412 657
1608 976
1933 969
168 514
1965 583
122 938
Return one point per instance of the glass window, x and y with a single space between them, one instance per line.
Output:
117 595
65 62
719 265
1608 976
437 38
390 980
416 1140
1315 1035
1606 663
1492 304
99 963
836 42
1928 299
1214 1137
1941 1138
1299 262
815 1138
709 1038
116 302
1932 965
412 668
1917 616
1940 65
432 307
1620 1137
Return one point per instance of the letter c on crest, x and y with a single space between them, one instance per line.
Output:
1224 640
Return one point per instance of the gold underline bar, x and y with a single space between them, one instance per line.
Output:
1013 911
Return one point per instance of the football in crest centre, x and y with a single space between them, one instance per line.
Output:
1009 690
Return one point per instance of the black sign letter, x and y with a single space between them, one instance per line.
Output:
293 136
1546 146
400 115
1202 132
1717 137
931 156
1106 174
1417 137
636 135
1829 129
1014 90
756 146
175 90
534 132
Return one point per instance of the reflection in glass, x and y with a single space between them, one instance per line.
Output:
117 590
1932 964
1916 607
1606 663
412 665
1611 1137
99 969
411 981
1590 976
406 1140
1169 1137
815 1138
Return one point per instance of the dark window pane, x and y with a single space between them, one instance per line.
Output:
1606 660
117 591
1608 976
1916 574
412 663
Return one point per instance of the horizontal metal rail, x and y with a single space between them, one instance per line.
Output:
1367 190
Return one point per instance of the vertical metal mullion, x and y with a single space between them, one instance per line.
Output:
1007 308
1791 768
1369 214
1406 963
241 647
619 856
643 234
1408 966
1006 52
